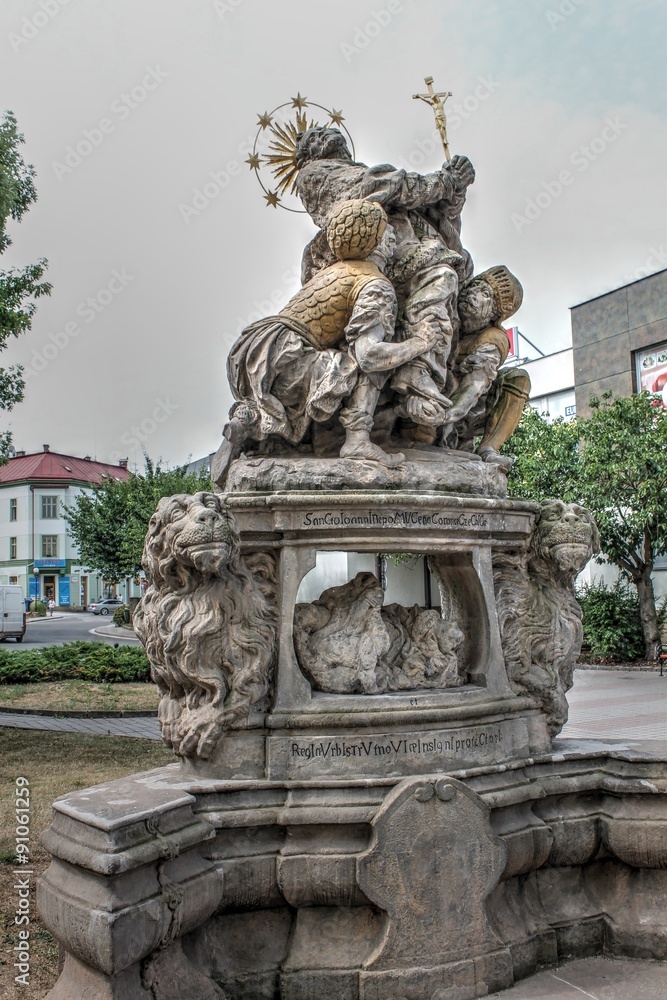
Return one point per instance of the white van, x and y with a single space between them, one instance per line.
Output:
12 613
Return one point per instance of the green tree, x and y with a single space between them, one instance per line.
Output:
109 524
546 457
19 288
615 463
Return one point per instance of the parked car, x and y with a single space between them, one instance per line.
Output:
105 607
12 613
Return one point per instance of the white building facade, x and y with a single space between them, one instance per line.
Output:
36 551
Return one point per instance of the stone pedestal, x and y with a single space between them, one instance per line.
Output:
449 885
381 816
311 734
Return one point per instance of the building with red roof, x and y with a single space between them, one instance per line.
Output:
36 551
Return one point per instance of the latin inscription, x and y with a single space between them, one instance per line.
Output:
393 519
395 747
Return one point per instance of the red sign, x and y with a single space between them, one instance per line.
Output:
512 334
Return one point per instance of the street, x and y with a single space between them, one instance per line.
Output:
68 628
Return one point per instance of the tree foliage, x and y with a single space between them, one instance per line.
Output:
109 524
615 463
612 621
19 287
546 458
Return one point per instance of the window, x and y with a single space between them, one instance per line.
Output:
12 548
13 513
13 580
49 546
49 507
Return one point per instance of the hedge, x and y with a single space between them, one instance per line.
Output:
612 623
88 661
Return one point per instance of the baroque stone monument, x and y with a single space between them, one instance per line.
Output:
366 801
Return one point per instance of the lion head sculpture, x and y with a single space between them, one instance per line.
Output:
564 539
540 619
208 626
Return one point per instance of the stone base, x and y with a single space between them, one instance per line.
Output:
433 469
445 886
407 741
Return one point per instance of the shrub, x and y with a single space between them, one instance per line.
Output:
121 616
39 607
612 623
88 661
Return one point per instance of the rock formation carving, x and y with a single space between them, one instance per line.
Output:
539 617
207 623
347 643
424 648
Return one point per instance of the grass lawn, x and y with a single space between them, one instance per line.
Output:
80 696
53 763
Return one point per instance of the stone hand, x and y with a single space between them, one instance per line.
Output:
425 340
461 171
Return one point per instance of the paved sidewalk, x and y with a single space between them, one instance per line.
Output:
605 705
595 978
144 728
614 704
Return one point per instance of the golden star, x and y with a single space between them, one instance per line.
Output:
253 160
272 199
299 101
264 120
337 116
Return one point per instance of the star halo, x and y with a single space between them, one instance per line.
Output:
274 148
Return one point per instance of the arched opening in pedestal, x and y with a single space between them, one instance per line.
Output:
370 624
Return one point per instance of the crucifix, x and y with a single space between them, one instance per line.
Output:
437 103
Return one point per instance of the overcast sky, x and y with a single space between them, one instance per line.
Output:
560 104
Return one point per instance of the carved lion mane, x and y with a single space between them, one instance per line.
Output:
205 622
539 617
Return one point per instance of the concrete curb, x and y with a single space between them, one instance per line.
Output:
74 714
113 631
627 668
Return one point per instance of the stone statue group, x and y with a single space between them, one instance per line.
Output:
391 343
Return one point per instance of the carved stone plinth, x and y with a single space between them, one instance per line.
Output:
309 733
366 805
430 469
448 885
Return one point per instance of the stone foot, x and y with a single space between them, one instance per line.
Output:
491 455
369 452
